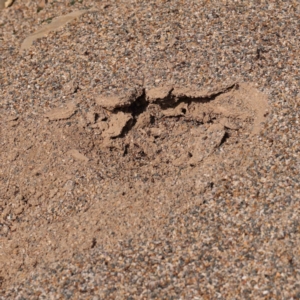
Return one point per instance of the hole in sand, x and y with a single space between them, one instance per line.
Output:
179 125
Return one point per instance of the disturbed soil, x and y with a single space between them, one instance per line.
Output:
70 152
146 153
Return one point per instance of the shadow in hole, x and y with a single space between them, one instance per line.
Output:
170 101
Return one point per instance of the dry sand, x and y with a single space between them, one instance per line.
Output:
149 149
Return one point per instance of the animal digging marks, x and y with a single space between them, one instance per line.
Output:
178 125
169 124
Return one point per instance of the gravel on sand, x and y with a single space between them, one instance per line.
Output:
150 149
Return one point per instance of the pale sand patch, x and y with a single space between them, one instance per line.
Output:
55 25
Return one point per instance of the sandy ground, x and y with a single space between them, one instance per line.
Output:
149 149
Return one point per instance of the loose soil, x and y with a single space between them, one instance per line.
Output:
75 176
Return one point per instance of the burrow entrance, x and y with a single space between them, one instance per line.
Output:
180 126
